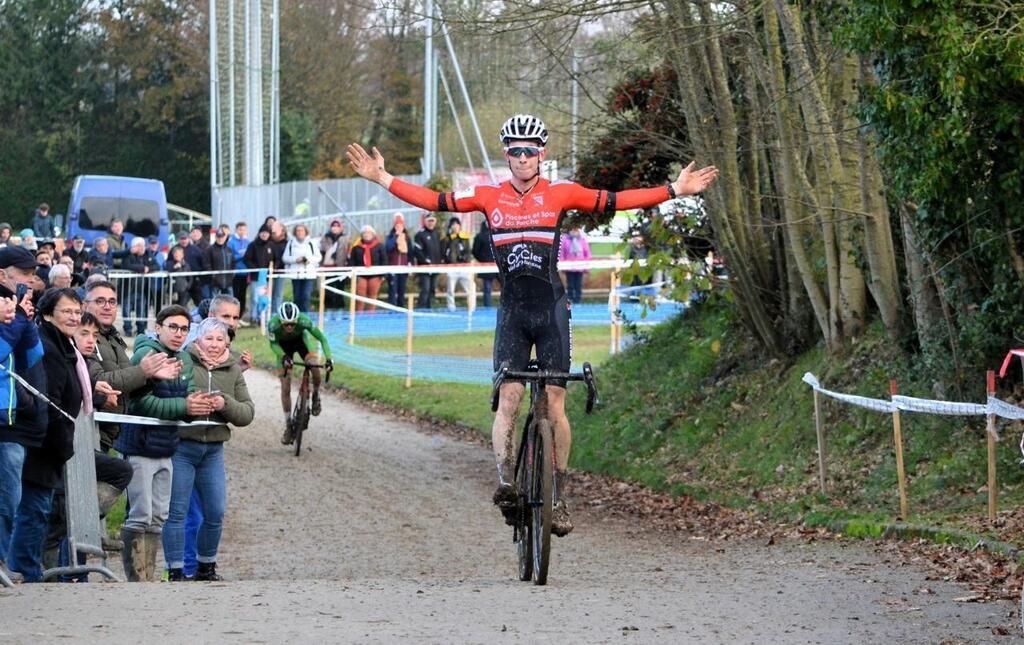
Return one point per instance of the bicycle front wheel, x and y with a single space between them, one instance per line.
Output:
524 544
543 459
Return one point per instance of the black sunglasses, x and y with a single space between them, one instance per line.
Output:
529 151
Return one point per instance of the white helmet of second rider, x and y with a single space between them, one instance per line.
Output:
288 312
524 127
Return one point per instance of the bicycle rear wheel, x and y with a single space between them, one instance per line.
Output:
540 502
524 544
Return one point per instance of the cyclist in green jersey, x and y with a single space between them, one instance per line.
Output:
292 332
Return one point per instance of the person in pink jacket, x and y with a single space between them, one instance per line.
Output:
574 246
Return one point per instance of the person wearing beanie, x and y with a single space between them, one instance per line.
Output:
455 248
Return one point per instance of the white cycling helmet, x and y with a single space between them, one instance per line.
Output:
288 312
525 127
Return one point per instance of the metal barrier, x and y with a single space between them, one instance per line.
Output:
84 530
140 296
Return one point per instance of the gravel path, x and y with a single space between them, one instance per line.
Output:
380 533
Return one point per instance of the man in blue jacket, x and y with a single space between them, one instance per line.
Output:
238 243
22 416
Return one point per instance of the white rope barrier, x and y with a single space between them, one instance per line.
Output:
993 406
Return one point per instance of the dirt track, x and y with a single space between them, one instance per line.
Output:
380 533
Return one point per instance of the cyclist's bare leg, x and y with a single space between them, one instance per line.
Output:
503 441
313 359
560 425
286 403
561 523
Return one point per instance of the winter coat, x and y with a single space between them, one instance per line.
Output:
78 257
239 408
43 227
44 464
158 399
391 248
106 259
118 247
260 254
427 247
357 257
220 258
196 258
179 284
278 246
566 251
22 415
238 246
482 250
294 254
112 364
334 250
139 263
456 248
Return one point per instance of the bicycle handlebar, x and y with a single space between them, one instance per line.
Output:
329 368
537 376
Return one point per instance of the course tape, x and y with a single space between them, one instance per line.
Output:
993 406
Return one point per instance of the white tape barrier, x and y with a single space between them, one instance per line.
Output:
993 406
109 417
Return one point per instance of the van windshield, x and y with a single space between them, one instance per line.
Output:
141 217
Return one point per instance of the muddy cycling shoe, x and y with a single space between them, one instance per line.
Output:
561 525
506 500
288 438
316 404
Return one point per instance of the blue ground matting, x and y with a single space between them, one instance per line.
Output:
452 369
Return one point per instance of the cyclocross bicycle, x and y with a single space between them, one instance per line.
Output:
299 419
535 467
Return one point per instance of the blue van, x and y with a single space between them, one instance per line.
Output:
96 200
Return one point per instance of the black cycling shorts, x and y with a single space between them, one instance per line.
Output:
294 346
532 315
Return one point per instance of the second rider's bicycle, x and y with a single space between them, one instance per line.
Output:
299 419
535 467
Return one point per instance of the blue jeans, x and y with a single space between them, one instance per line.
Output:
574 286
200 466
488 280
193 521
302 293
30 527
12 458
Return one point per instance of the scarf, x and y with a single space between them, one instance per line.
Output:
575 246
367 256
211 362
402 243
82 371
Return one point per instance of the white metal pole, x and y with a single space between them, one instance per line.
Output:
465 94
275 99
455 117
575 110
256 97
213 100
232 160
428 88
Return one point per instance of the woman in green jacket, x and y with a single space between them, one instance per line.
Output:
199 460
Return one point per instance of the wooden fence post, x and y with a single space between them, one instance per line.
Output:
821 442
991 437
410 299
901 475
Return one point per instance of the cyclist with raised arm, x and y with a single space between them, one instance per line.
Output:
525 217
292 332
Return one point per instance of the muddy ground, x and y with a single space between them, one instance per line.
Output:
382 533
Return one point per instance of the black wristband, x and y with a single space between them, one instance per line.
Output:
671 192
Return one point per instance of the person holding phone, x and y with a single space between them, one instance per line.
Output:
199 459
21 351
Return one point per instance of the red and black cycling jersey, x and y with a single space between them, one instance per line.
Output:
525 227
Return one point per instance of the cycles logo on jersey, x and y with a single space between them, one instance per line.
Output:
496 218
521 256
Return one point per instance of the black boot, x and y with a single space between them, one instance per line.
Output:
207 572
176 575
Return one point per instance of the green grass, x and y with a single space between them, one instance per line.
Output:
695 409
590 343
